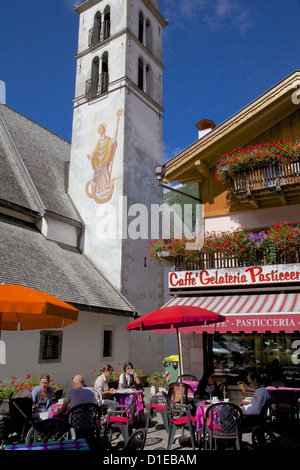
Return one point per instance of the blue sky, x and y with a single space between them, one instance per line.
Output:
218 55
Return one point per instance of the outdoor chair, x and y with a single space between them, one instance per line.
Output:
222 421
251 421
222 387
54 429
264 439
98 395
179 416
175 390
57 395
121 417
286 404
136 441
20 413
85 419
187 377
246 392
157 405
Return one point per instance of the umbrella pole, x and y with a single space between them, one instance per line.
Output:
179 361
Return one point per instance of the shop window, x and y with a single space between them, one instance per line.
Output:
50 346
107 343
234 353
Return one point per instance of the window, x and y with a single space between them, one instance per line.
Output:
95 32
141 27
50 346
106 23
141 74
99 80
101 28
107 343
144 76
144 34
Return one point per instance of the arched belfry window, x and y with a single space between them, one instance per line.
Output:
148 42
145 35
144 76
95 32
106 23
141 74
141 27
101 27
98 83
104 73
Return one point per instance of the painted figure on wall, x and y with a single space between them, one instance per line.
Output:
101 187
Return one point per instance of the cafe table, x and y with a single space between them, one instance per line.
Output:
201 410
124 396
74 444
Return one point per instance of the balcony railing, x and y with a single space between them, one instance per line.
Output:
96 85
267 177
223 260
99 33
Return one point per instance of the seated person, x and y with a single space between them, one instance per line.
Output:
129 379
207 388
260 397
42 396
101 384
78 395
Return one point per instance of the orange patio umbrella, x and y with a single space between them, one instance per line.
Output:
29 309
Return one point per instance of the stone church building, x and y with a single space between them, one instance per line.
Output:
70 213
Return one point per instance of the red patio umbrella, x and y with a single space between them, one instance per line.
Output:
175 318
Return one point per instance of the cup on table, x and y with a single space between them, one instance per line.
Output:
214 399
226 400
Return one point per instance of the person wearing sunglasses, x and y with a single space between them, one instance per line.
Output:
207 388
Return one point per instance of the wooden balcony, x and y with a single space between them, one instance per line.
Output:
221 260
268 186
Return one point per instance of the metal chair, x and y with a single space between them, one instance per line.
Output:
187 377
286 404
179 416
98 395
58 394
86 420
54 429
264 439
157 404
222 421
121 418
247 392
176 389
136 441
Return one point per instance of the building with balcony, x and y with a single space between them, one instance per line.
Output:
247 170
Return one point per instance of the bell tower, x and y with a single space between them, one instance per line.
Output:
117 141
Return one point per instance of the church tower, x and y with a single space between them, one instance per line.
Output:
117 141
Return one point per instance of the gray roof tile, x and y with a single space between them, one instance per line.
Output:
28 258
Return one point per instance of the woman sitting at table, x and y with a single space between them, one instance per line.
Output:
101 384
129 379
42 396
207 388
260 397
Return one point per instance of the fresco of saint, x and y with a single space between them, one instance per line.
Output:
101 187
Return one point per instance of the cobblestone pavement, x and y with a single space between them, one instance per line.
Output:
288 434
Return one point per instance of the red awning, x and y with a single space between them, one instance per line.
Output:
248 313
